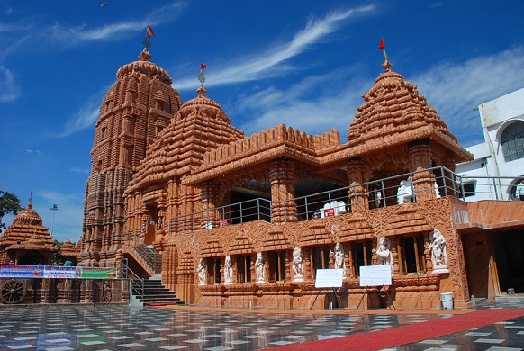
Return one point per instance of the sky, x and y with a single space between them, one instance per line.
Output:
302 63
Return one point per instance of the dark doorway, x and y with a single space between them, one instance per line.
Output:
508 248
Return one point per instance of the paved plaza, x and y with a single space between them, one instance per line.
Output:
120 327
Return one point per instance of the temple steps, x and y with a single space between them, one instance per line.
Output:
155 293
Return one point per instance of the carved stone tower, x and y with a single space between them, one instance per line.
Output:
135 109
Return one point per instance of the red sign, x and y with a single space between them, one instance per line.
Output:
329 212
223 222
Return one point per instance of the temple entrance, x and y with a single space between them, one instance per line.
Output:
151 226
494 262
508 249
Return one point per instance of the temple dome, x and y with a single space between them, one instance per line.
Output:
144 66
205 106
393 113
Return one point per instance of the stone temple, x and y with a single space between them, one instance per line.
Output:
176 192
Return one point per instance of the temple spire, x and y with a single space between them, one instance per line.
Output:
201 78
386 64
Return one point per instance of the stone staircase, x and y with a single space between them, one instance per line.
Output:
155 293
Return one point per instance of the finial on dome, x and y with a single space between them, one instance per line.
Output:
201 78
30 204
144 55
146 42
387 65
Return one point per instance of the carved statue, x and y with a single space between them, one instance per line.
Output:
228 271
384 255
260 268
297 262
438 251
201 270
339 256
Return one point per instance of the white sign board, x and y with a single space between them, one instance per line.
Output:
329 278
375 275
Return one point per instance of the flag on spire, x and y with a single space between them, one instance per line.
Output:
203 65
150 32
381 44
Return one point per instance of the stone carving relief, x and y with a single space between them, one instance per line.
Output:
297 264
438 252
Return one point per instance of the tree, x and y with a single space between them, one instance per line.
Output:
9 203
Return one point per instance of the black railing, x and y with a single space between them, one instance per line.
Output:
383 192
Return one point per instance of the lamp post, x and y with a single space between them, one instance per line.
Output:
54 208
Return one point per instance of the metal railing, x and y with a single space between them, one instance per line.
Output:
236 213
383 192
135 281
148 255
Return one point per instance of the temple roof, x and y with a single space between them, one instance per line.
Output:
393 113
68 250
199 125
27 232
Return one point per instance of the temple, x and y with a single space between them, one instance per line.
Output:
178 193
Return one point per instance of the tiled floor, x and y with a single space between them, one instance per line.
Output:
119 327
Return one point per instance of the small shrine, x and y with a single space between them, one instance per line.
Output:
26 241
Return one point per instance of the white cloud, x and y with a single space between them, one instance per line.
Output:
86 115
9 90
31 151
456 89
269 63
304 106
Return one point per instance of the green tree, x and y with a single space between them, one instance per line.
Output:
9 203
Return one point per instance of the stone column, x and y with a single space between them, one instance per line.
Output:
358 194
211 200
282 179
423 182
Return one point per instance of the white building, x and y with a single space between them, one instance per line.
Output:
499 161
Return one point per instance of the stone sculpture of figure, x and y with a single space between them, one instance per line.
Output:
378 199
339 256
297 262
384 255
259 264
438 251
201 270
228 271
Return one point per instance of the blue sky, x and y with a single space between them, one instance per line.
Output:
301 63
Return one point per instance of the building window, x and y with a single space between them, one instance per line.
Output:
361 253
467 189
244 269
319 258
214 266
277 266
411 254
512 140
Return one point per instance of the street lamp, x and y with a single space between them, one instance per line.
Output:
54 208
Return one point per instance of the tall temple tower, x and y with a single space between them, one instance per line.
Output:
135 109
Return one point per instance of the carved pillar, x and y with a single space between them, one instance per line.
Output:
211 200
282 179
423 182
358 195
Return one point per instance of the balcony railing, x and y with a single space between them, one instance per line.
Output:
383 192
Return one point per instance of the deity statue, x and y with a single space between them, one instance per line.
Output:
438 251
201 270
384 255
297 263
339 256
228 271
259 264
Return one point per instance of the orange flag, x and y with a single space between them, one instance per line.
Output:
150 32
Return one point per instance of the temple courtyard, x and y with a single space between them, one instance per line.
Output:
493 326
